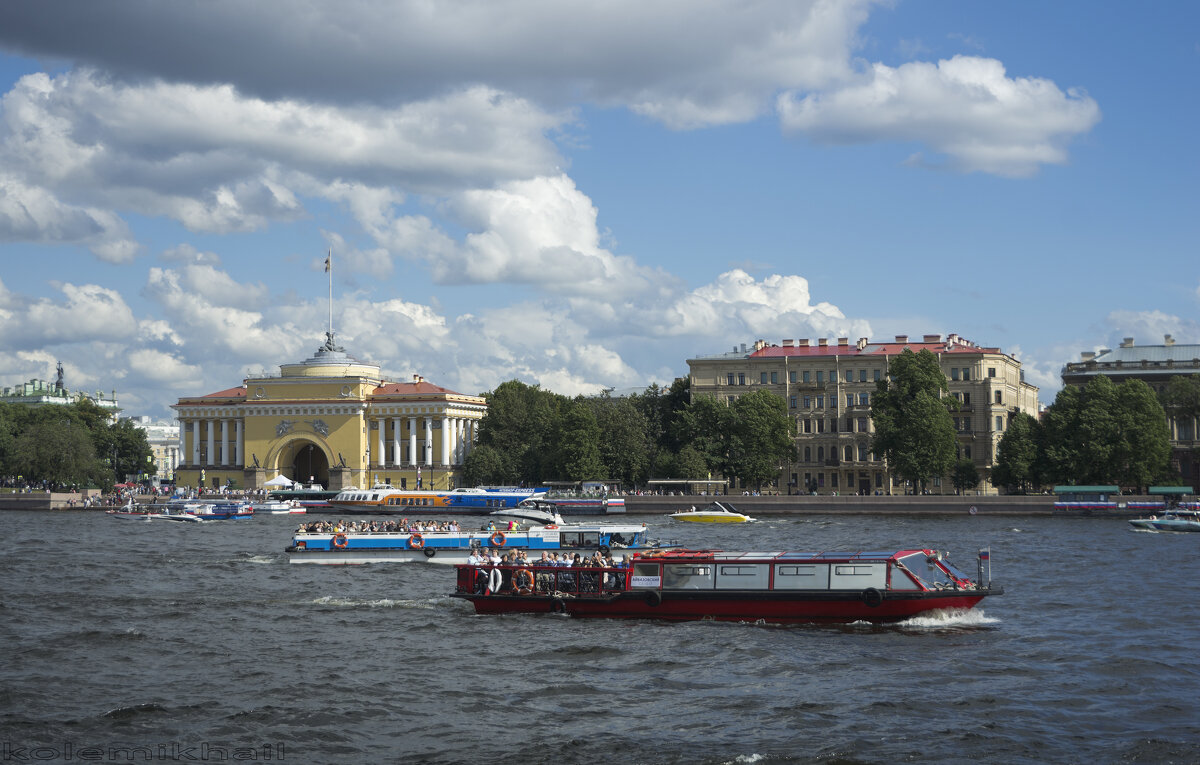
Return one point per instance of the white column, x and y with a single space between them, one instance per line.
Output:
460 442
445 440
195 443
182 448
224 442
412 441
380 452
428 441
240 440
212 434
452 423
395 440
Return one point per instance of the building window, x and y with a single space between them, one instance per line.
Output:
966 373
792 402
862 424
863 451
792 377
807 458
833 425
808 426
862 375
878 375
966 399
864 399
953 373
821 453
808 402
741 378
849 399
774 378
991 371
999 397
967 452
820 377
731 399
729 379
849 452
806 377
762 378
820 426
999 423
820 402
833 480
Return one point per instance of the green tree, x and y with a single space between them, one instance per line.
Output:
486 465
965 475
706 425
129 451
1144 454
626 444
58 450
578 442
761 439
1016 456
1181 399
1104 433
520 425
913 428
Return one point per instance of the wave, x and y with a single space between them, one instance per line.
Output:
952 618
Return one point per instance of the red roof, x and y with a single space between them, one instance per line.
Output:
239 392
411 389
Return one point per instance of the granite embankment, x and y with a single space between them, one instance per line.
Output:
1037 504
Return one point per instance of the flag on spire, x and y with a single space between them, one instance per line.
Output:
328 259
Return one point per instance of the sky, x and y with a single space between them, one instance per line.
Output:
585 195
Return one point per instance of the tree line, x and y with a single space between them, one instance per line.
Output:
69 445
1103 433
530 436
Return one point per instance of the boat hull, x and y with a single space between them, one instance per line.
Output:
710 518
733 605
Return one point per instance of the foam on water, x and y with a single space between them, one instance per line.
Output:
950 617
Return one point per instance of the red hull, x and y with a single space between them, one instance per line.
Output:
730 606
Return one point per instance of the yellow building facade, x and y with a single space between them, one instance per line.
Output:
330 420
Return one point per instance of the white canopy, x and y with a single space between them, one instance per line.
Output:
280 481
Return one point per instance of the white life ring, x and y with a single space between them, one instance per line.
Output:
494 581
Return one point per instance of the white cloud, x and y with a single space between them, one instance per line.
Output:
88 312
966 108
33 214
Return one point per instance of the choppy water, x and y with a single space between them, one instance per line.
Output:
203 640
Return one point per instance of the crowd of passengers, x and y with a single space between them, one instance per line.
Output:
496 557
376 526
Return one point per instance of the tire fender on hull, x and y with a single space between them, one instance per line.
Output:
872 597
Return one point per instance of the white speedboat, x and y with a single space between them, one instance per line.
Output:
717 512
1178 519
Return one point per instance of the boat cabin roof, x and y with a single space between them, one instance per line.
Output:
721 555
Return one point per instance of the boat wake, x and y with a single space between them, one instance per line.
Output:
330 600
950 618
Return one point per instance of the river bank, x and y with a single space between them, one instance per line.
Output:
1036 504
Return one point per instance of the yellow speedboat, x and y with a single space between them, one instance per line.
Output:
714 513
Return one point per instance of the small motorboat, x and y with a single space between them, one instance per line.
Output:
716 512
1176 519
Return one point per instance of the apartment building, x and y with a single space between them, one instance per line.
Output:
827 387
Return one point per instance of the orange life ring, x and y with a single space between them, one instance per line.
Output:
339 541
526 586
498 539
416 541
550 526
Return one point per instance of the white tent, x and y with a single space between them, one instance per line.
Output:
280 481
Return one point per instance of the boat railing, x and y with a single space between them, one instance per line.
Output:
549 581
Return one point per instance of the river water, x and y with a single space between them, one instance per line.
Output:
174 642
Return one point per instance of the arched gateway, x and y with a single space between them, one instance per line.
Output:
330 419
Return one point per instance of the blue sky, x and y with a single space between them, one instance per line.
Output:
585 195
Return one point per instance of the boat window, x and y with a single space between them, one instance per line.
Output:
688 577
926 569
857 576
743 576
802 577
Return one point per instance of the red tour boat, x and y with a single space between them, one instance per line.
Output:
780 587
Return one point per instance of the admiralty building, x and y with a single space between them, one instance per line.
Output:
330 420
827 387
